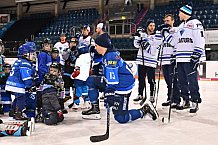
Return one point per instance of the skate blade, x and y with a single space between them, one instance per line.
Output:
92 117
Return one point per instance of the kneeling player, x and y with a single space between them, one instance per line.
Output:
118 88
51 108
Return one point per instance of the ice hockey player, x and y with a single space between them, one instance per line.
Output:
16 128
5 99
189 42
51 85
20 81
147 42
55 55
118 88
168 64
61 46
44 58
80 75
69 55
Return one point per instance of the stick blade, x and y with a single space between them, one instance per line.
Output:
99 138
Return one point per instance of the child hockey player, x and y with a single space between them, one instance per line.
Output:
117 91
44 59
80 74
20 80
5 97
51 108
55 55
69 55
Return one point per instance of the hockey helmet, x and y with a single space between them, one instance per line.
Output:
7 65
32 44
54 50
47 40
25 48
56 66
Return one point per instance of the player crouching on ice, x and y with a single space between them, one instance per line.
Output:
20 83
52 83
118 88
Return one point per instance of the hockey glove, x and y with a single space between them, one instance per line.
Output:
32 89
195 58
60 116
109 97
76 72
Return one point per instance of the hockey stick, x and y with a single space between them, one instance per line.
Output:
158 83
105 136
171 95
143 62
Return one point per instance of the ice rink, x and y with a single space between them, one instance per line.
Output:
184 129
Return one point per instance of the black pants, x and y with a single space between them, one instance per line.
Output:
142 72
168 72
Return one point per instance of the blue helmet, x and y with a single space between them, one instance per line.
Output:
32 44
25 48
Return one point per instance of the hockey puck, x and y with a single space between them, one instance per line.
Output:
163 119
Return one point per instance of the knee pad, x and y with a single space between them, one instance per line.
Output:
122 118
51 118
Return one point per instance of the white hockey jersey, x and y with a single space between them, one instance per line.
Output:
84 62
150 53
61 47
188 39
88 40
167 50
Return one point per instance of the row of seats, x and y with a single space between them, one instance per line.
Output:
205 11
65 22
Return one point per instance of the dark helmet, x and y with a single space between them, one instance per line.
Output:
56 65
47 40
7 65
54 50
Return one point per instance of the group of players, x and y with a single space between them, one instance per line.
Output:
179 50
92 66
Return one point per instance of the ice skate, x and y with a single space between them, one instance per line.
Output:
185 105
148 108
151 99
167 103
138 99
93 113
194 108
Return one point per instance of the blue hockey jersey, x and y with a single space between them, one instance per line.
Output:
117 73
21 76
44 61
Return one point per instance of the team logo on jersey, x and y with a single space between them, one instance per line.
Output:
114 63
185 40
190 25
181 32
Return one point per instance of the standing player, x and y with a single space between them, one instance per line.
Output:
118 87
147 59
61 46
20 80
189 42
168 66
44 58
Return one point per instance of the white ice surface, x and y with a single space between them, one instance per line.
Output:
184 129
